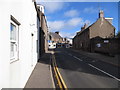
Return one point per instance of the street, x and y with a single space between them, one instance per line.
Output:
79 71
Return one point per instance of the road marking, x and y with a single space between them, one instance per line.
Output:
77 58
63 82
59 78
104 72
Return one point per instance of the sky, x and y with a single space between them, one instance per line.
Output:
69 17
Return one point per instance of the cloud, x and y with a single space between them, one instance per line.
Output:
56 25
71 13
90 10
52 7
66 34
75 21
87 22
69 24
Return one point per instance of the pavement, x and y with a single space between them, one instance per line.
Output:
102 57
41 76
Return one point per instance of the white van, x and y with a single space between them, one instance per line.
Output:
52 45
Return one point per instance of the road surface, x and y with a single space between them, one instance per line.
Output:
79 71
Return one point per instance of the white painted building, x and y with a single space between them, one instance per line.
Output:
110 20
18 36
69 40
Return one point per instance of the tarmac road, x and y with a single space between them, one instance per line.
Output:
79 71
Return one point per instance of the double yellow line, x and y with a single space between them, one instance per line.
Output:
58 76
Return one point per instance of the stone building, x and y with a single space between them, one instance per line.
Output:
102 28
55 40
43 31
55 37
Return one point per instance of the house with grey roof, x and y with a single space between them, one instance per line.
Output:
102 28
55 37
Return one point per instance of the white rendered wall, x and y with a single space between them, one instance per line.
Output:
4 44
15 74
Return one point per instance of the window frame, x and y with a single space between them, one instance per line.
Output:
15 41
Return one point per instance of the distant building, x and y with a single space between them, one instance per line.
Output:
69 40
109 20
102 28
54 39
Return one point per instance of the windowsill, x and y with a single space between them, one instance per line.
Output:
13 60
13 41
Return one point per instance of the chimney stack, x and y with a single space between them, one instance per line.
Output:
41 7
101 14
84 27
57 32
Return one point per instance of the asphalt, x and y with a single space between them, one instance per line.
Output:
80 71
41 76
105 62
114 60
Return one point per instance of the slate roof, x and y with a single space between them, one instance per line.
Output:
55 35
99 20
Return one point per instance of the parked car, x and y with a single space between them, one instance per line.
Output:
68 45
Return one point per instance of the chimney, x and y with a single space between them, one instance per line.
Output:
101 14
84 27
57 32
41 7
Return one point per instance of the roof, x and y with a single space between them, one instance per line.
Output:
93 24
55 35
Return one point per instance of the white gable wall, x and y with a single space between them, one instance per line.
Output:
15 74
4 44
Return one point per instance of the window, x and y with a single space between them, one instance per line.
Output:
12 32
14 37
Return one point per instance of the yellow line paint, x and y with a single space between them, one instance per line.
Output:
58 75
62 79
59 83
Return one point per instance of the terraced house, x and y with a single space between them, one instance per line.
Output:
101 28
43 31
20 34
